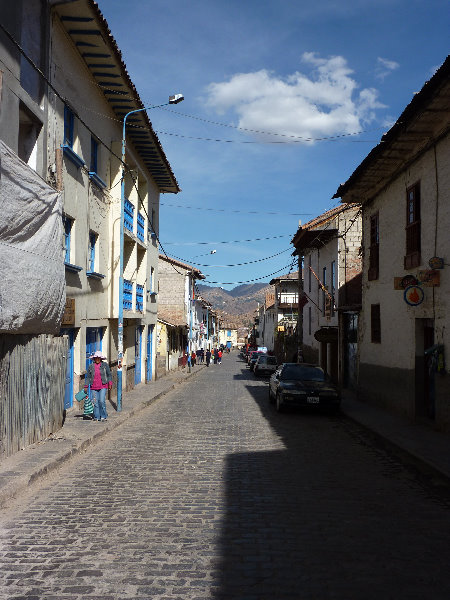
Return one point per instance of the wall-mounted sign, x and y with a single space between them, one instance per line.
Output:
413 295
429 278
68 317
327 334
408 280
436 262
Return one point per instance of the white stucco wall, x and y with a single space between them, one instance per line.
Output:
398 343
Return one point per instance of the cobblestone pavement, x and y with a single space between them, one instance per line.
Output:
209 494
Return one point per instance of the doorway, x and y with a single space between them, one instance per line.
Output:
68 388
424 369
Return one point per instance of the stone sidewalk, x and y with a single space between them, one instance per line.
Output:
428 449
418 442
21 470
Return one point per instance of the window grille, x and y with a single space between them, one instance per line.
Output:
128 215
127 295
140 298
413 228
140 227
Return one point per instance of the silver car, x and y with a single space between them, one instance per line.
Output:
265 365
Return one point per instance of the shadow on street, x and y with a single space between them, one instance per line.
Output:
326 516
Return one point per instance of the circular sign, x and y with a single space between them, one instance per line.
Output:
414 295
408 280
436 262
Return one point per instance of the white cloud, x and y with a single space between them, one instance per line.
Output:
385 67
324 103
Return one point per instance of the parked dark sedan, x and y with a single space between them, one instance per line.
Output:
303 385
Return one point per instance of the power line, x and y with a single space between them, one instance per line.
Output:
250 280
250 262
247 212
294 141
273 237
290 137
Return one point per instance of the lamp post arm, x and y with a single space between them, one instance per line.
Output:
172 100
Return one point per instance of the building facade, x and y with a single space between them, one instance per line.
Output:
403 186
91 92
330 249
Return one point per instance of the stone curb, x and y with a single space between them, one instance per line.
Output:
424 465
20 483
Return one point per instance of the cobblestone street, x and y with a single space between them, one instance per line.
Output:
211 494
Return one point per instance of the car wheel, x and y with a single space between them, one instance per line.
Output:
280 406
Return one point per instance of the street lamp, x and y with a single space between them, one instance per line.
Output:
175 99
210 252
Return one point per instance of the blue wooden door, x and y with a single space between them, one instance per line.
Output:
93 342
138 355
68 390
149 353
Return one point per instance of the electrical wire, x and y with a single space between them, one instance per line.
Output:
273 237
279 142
291 138
236 264
247 212
249 280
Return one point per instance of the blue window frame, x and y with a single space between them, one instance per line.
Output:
140 227
127 295
69 137
94 337
92 244
67 224
68 127
128 215
93 165
140 298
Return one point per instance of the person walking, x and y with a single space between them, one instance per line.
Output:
216 356
99 377
208 357
219 357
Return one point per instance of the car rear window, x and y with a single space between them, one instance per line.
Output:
302 372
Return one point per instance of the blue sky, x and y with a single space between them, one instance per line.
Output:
264 83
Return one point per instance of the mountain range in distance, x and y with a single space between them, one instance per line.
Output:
236 306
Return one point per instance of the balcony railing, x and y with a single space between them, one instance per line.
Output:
140 298
140 227
127 295
128 216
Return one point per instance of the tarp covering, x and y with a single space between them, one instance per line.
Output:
32 275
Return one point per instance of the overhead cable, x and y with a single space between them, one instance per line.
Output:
250 262
247 212
289 266
272 237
